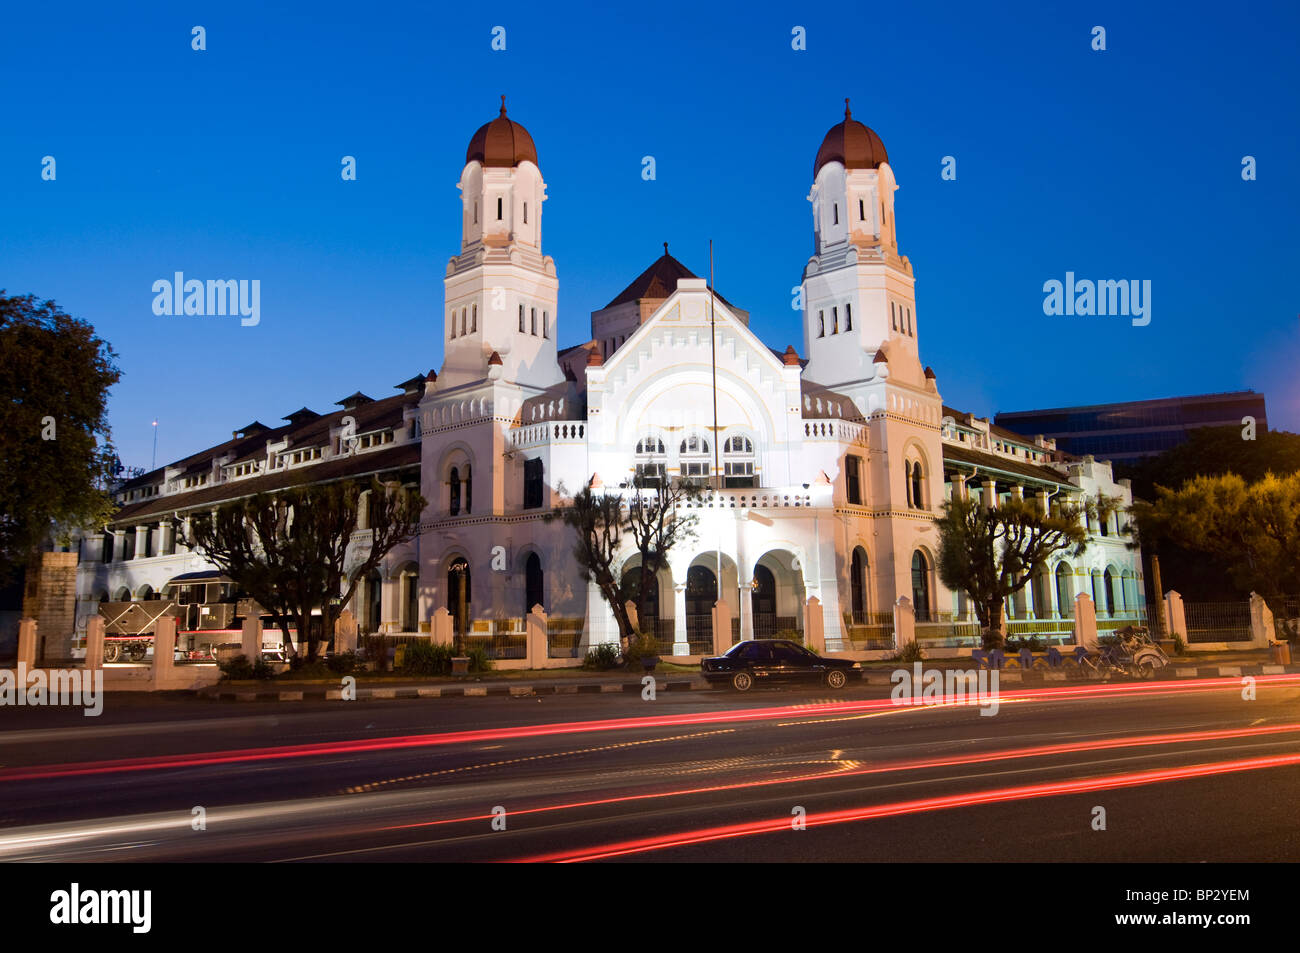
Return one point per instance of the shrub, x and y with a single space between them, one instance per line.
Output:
345 663
305 669
603 657
263 669
912 652
993 639
791 635
238 668
377 650
643 646
425 658
1180 647
479 660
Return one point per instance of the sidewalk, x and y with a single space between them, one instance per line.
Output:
1209 665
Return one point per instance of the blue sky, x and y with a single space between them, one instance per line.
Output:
225 164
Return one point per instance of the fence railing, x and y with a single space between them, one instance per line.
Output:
948 634
1217 621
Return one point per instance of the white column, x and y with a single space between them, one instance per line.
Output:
746 611
680 645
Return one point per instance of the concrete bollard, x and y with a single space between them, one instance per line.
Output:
27 643
164 645
814 626
94 642
251 639
535 627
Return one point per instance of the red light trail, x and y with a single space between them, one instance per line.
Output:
900 808
325 749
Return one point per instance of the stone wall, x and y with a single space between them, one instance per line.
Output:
50 597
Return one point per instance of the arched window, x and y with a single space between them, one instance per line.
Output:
835 320
500 209
372 615
651 458
907 480
821 324
546 324
453 480
469 491
1108 584
694 456
473 318
521 319
533 312
411 585
858 586
738 461
534 594
921 586
918 487
1064 593
848 316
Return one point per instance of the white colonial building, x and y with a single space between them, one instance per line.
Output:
829 468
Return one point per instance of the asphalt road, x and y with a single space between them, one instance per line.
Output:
1186 771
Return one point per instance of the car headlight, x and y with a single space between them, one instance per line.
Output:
857 665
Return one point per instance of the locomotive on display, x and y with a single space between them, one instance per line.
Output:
209 615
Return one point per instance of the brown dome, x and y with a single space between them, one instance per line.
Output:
852 144
501 143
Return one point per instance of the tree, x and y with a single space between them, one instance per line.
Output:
293 550
56 459
1254 528
656 526
993 552
598 520
1208 451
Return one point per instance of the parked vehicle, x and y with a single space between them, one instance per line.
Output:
776 661
1136 654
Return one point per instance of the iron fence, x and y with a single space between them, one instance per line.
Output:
948 634
1217 621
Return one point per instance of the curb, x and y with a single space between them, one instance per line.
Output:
453 691
1011 676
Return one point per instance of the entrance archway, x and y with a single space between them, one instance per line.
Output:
764 603
534 593
701 594
921 586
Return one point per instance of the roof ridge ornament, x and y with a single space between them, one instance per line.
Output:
847 114
503 103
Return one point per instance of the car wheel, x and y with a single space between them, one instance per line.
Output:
111 652
1146 668
836 678
742 681
137 653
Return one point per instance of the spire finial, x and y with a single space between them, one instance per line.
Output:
665 248
847 114
503 104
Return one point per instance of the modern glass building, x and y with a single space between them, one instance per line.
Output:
1142 428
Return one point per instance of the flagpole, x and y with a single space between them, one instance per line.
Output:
713 361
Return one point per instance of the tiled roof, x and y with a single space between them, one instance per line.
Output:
992 461
658 281
357 464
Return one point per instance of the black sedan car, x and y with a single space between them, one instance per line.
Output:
773 662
